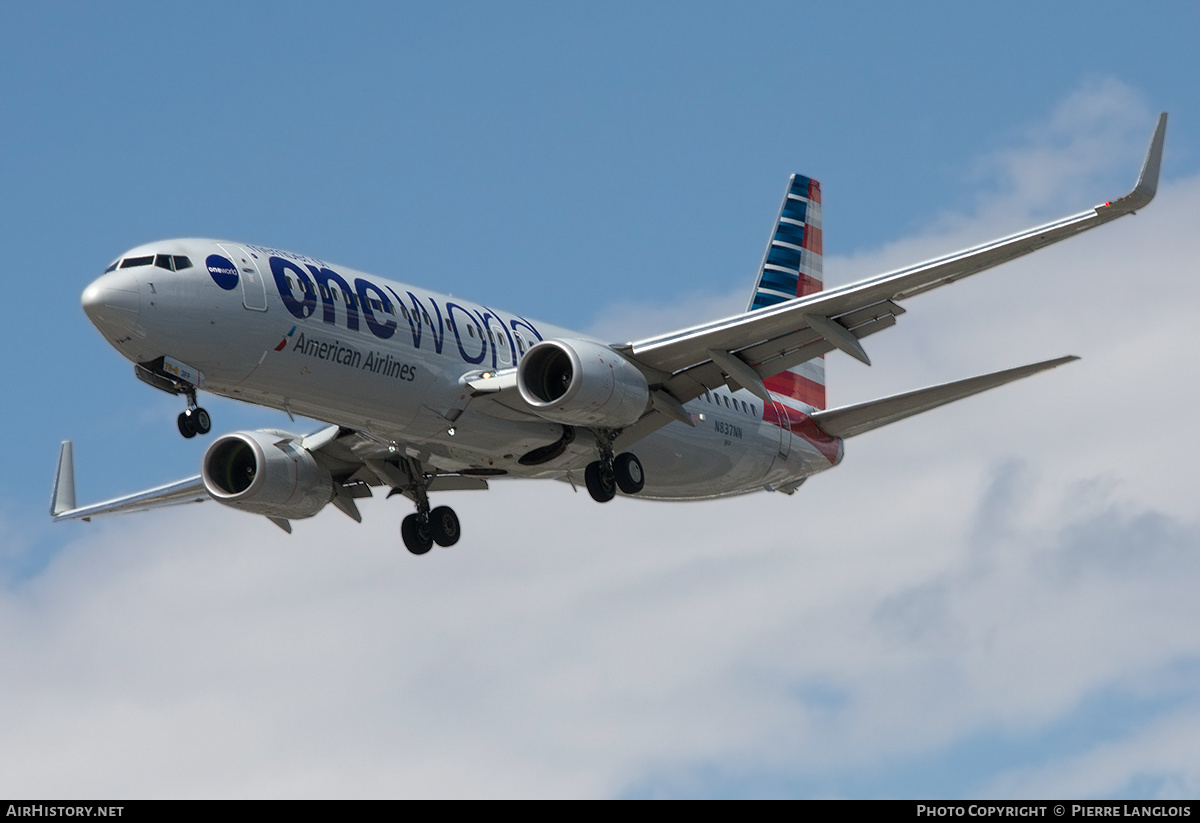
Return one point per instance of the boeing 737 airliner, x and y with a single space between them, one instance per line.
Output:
426 393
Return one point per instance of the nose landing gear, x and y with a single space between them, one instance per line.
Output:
194 420
174 377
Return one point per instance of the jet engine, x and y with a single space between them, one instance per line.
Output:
582 383
266 472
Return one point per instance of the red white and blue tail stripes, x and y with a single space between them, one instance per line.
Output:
791 268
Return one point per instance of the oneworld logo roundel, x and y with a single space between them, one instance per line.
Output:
223 272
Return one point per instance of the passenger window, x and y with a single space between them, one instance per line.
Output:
471 330
753 410
520 344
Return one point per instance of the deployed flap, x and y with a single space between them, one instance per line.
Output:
848 421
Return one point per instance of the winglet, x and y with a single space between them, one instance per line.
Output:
62 499
1147 184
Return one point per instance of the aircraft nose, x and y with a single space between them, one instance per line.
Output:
112 303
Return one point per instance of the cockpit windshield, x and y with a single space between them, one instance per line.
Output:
170 262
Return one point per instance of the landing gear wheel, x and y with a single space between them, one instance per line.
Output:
629 475
443 524
415 532
600 484
187 425
203 423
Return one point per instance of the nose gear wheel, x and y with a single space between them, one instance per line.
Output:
194 420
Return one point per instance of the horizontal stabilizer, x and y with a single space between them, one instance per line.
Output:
848 421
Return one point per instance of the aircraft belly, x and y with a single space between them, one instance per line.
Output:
483 441
720 456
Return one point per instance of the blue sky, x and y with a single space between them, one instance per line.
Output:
616 169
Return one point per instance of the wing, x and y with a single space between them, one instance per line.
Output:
355 461
62 499
745 349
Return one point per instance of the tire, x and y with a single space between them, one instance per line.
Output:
600 485
443 524
416 535
202 420
187 426
628 470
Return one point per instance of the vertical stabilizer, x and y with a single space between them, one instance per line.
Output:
791 268
62 499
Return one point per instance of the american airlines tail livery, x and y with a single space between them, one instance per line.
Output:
426 393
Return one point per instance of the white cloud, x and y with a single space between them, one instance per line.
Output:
987 569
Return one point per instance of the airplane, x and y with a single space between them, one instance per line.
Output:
424 393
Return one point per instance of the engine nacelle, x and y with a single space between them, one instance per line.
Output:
582 383
266 472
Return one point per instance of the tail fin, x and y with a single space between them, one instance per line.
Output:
791 268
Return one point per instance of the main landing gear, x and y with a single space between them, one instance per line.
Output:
438 526
426 527
604 476
194 420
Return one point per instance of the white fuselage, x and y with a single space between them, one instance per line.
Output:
389 360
